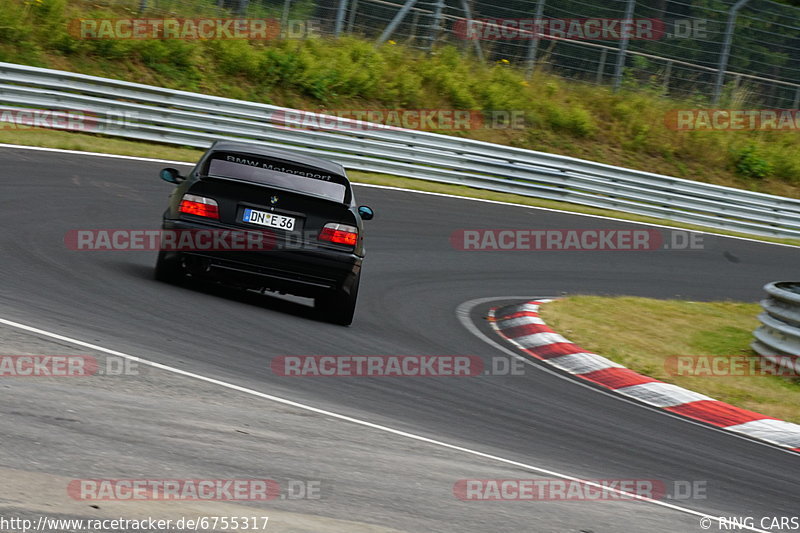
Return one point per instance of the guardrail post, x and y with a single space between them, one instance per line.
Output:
778 337
534 46
340 13
726 49
623 47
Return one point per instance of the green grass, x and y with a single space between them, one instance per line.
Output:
97 143
641 333
625 128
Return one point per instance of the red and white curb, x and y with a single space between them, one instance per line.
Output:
523 327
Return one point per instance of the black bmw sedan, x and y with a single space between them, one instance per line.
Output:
302 209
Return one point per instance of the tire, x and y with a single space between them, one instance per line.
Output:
339 307
167 270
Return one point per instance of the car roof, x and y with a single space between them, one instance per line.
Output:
284 155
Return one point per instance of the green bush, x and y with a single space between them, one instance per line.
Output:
750 163
11 30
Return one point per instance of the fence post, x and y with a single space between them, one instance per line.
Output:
623 47
412 34
601 68
287 4
667 75
437 20
468 15
726 49
340 13
398 18
534 46
351 19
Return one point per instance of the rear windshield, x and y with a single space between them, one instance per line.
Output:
258 170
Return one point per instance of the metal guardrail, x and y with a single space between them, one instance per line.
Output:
192 119
778 337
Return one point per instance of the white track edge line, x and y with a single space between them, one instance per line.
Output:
725 429
464 315
359 422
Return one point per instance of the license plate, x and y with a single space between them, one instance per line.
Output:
271 220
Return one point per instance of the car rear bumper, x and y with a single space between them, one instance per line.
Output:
304 270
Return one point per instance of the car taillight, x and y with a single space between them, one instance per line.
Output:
339 233
199 205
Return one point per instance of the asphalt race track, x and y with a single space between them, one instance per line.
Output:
162 425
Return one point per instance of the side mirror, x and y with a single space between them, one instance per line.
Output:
365 212
171 175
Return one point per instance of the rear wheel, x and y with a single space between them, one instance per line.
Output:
338 307
167 270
